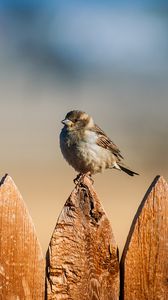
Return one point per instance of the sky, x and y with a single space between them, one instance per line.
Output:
107 58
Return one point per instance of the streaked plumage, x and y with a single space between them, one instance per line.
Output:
87 148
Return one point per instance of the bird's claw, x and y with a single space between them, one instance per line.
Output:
81 176
77 178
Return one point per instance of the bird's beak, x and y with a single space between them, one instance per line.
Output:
66 122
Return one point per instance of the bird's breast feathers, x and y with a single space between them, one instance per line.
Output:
96 157
84 154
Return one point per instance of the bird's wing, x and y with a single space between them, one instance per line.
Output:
104 142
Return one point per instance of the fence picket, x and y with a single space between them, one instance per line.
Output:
21 260
82 259
144 264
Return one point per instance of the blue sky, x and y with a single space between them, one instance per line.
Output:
129 36
138 3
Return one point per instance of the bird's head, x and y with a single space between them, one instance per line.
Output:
76 120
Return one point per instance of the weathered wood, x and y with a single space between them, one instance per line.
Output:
82 259
21 261
144 264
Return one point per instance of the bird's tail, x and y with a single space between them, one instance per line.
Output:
126 170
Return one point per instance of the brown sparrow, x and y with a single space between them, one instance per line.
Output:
87 148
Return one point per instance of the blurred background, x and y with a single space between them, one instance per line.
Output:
108 58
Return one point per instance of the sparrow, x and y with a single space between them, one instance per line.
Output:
87 148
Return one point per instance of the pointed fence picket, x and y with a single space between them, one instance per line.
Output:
82 258
21 259
144 263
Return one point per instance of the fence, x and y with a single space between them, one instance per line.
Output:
82 258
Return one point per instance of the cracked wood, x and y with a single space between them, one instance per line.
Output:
82 259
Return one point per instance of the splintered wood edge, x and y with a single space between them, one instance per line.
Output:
156 180
87 183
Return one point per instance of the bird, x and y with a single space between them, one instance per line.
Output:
87 148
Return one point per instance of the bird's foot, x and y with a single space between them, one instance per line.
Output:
78 178
81 176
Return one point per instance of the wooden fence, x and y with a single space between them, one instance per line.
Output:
82 259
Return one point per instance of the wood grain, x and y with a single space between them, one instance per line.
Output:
144 264
21 261
82 259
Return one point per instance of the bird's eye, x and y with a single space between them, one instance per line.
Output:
75 120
